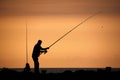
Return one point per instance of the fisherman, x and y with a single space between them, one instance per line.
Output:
37 51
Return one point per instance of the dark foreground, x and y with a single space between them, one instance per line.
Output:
100 74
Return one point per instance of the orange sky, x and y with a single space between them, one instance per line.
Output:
96 43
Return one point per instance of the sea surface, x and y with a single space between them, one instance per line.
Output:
60 70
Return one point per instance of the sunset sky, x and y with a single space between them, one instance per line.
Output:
94 44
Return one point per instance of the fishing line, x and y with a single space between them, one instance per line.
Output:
74 28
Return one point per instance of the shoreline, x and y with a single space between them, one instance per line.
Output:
60 70
100 74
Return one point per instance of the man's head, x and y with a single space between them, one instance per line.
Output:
39 41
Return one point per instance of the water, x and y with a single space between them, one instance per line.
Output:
60 70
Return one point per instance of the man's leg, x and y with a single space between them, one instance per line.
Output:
36 65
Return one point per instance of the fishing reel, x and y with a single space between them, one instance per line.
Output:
44 50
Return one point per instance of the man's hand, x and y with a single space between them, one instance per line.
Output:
47 48
45 51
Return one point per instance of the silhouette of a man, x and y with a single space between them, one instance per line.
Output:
37 51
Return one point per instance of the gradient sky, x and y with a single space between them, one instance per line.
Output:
96 43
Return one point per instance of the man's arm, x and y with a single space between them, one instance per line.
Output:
45 48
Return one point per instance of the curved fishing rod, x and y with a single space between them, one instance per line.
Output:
26 45
74 28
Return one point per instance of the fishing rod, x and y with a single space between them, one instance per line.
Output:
26 45
27 66
74 28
